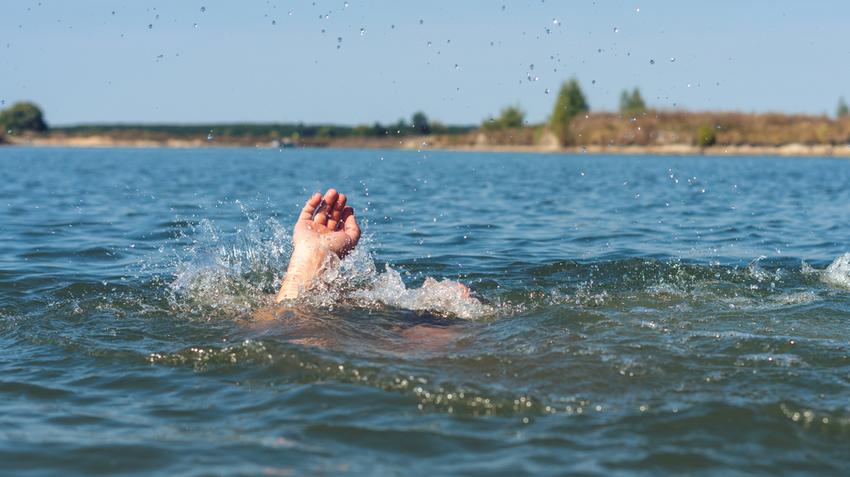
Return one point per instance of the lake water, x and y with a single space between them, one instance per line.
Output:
637 315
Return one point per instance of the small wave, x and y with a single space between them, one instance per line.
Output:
838 272
778 359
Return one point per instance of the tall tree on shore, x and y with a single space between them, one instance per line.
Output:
570 103
420 123
632 103
22 117
843 110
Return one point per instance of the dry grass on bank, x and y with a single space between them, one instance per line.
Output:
651 129
733 129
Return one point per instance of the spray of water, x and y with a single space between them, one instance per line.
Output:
237 274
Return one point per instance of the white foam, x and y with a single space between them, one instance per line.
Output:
838 272
232 275
221 273
442 297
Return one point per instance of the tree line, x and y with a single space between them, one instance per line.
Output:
27 117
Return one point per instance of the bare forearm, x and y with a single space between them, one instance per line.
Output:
304 266
326 230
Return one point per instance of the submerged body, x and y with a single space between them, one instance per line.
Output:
626 335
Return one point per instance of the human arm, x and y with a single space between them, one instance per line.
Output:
326 230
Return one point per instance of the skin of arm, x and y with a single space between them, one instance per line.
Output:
326 230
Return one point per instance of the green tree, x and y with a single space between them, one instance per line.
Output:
438 128
378 130
843 110
399 128
632 103
420 123
23 117
324 132
361 130
511 117
570 103
706 136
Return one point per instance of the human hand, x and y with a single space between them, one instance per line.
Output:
327 223
324 225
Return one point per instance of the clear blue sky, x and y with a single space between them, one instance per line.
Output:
308 61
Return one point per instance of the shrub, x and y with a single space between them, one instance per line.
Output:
843 110
632 103
706 136
23 117
509 118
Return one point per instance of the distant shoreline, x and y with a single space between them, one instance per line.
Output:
438 143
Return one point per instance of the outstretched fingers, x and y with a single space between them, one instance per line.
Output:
310 207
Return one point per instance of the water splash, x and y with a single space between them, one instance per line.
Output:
229 274
838 272
442 297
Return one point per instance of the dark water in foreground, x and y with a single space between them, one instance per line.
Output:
641 315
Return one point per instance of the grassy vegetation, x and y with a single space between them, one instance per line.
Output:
649 128
705 129
250 134
258 131
571 123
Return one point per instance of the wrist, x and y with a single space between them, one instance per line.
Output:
305 264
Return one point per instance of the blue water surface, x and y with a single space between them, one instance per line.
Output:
634 315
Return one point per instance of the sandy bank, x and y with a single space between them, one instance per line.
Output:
422 143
